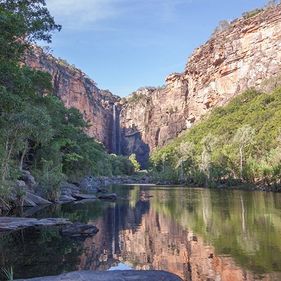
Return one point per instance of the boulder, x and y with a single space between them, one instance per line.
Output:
108 196
20 184
36 199
28 179
69 189
26 202
120 275
89 184
79 230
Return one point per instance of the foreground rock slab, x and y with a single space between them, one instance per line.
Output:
15 223
128 275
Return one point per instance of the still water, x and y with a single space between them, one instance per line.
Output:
198 234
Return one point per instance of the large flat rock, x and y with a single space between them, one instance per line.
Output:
15 223
119 275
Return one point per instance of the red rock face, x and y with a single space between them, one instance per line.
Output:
77 90
244 55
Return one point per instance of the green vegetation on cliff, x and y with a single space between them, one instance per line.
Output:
240 142
36 131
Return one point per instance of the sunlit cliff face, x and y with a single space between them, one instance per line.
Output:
243 55
77 90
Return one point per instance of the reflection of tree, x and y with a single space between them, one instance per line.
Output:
81 212
244 225
38 252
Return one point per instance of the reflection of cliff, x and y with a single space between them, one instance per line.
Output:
144 238
172 231
103 251
160 243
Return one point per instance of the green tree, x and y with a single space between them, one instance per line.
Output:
185 156
208 143
243 138
21 117
134 161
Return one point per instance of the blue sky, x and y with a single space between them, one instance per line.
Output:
127 44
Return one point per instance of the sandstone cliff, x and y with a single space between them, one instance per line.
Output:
243 55
77 90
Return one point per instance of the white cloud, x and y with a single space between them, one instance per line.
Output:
76 14
86 14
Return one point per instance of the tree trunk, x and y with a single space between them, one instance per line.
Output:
241 162
23 155
5 164
181 171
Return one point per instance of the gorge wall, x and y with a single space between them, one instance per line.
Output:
77 90
239 57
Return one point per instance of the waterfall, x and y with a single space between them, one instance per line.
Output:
115 130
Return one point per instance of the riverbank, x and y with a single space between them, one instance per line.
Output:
25 192
94 184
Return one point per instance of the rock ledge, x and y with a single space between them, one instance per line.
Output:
15 223
128 275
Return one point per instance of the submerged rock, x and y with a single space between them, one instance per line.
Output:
128 275
79 230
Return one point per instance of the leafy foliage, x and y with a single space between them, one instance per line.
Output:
135 162
36 131
238 142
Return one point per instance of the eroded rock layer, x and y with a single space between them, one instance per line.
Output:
242 56
77 90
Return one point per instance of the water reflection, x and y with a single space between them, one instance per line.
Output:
198 234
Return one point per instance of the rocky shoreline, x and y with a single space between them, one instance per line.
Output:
92 188
27 193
